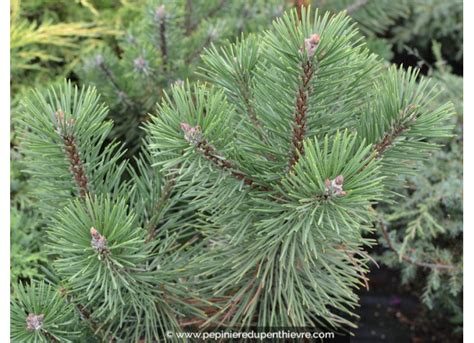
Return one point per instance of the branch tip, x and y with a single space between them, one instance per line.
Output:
34 322
99 242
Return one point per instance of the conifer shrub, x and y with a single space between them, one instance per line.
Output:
249 202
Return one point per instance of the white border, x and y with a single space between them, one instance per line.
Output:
5 170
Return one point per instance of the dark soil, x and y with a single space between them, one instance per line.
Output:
392 313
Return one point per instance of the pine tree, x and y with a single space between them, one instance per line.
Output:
300 133
249 202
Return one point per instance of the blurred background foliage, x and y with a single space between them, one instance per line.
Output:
423 234
115 45
163 46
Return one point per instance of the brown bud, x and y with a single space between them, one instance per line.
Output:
34 322
59 116
339 180
94 232
191 134
334 187
311 43
98 242
185 127
160 13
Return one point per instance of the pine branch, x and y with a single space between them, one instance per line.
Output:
73 137
251 111
50 336
236 68
84 313
87 316
388 140
304 92
163 45
72 152
50 317
246 96
188 12
397 129
194 136
195 54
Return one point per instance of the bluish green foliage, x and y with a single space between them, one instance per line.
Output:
284 193
67 122
40 314
111 263
249 200
424 229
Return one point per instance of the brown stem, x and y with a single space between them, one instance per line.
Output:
401 126
439 266
50 336
211 154
75 165
246 96
190 58
88 317
250 110
299 4
388 140
163 43
299 127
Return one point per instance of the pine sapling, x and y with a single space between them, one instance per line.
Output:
298 133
